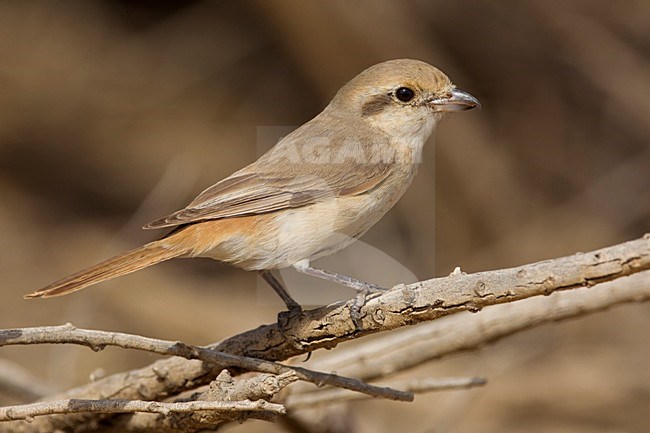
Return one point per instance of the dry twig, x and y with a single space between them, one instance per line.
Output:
29 411
417 386
98 340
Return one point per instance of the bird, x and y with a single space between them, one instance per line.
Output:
317 190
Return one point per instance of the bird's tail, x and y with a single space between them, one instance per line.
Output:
123 264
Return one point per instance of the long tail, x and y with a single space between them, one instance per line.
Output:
123 264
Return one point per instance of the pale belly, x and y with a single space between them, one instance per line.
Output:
283 238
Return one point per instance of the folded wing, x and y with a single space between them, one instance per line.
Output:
250 193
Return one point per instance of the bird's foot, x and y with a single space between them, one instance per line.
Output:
360 301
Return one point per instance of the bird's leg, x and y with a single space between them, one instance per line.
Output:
363 289
358 285
276 285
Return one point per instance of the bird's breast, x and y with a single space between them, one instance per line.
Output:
280 239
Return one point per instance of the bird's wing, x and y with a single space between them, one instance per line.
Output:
250 192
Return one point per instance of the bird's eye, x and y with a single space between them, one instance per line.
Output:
404 94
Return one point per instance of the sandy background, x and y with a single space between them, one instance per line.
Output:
113 113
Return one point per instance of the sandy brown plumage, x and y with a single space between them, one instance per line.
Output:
314 192
123 264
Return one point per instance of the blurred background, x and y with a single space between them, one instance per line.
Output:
114 113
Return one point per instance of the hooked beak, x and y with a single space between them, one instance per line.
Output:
458 100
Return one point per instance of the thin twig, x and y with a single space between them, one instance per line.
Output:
29 411
417 386
98 340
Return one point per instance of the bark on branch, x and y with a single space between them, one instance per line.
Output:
428 300
98 340
28 411
403 305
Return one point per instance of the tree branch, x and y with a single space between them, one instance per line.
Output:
403 305
29 411
223 388
428 300
409 348
98 340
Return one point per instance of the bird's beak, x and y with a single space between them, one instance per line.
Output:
458 100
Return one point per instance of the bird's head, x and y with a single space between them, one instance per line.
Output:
404 98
